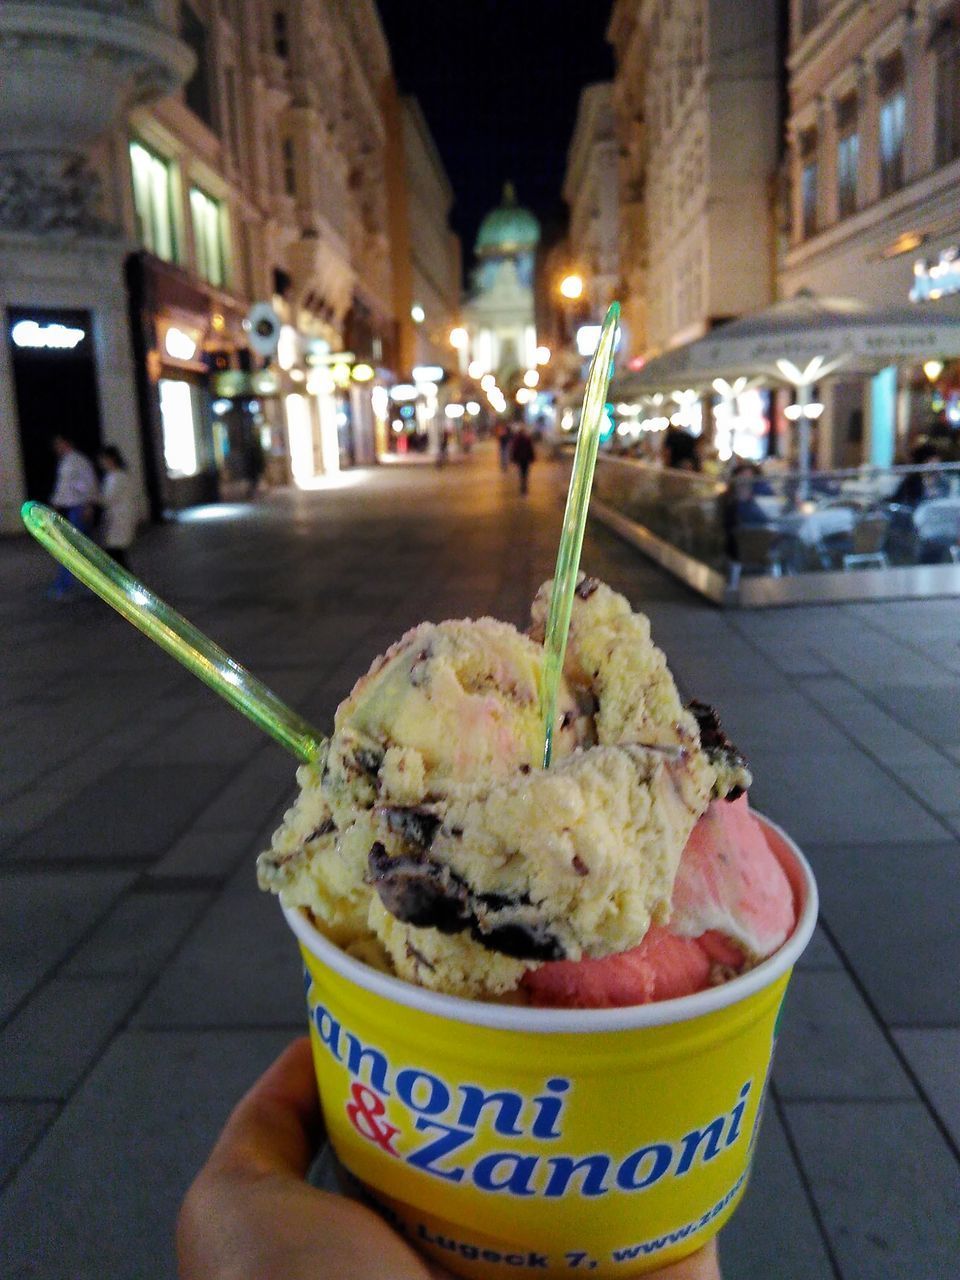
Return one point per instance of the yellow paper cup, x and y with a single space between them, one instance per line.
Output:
507 1141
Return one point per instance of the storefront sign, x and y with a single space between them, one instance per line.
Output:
49 337
937 278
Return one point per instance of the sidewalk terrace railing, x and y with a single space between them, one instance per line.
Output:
859 534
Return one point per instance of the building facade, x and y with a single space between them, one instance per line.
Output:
591 191
697 99
626 34
874 158
194 159
500 312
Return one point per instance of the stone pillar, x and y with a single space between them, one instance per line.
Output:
868 124
921 87
69 72
826 164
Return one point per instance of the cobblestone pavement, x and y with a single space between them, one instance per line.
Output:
144 981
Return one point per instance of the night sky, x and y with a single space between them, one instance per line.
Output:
498 81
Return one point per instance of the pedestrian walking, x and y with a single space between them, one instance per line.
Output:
522 454
118 503
74 496
504 437
254 463
443 447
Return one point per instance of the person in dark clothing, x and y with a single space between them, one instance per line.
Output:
680 450
522 454
917 486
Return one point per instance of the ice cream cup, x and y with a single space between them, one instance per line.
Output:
504 1140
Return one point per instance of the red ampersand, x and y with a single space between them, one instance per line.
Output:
364 1114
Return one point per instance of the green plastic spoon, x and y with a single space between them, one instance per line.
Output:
574 525
171 631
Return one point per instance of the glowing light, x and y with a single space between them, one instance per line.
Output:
566 421
220 407
588 335
525 395
380 401
459 338
300 436
454 411
417 313
320 383
531 377
287 347
397 424
793 411
177 344
341 374
427 373
728 389
472 408
218 322
933 369
572 287
488 382
363 372
543 355
814 410
403 391
297 375
55 337
475 368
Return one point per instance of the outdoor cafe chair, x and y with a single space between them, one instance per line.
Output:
869 537
936 525
758 549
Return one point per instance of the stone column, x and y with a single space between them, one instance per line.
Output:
826 164
70 70
868 125
920 65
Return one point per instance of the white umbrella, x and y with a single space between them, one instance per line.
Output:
797 342
800 331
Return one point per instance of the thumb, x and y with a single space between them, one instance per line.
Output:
277 1126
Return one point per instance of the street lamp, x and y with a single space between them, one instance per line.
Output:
571 286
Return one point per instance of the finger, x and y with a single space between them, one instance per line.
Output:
276 1127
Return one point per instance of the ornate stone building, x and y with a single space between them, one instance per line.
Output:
874 161
590 189
164 166
499 314
697 99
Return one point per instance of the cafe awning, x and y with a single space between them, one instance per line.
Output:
785 339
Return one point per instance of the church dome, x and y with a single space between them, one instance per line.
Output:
508 229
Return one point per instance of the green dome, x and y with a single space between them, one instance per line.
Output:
508 229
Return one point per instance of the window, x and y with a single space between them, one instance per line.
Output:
289 167
208 236
197 90
178 420
281 41
947 46
153 202
893 109
848 156
808 183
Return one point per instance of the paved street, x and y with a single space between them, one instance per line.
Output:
144 980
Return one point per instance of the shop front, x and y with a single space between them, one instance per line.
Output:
198 430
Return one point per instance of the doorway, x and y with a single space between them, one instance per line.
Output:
55 383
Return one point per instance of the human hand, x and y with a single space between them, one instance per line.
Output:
250 1214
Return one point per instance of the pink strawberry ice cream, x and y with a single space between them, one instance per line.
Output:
732 906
